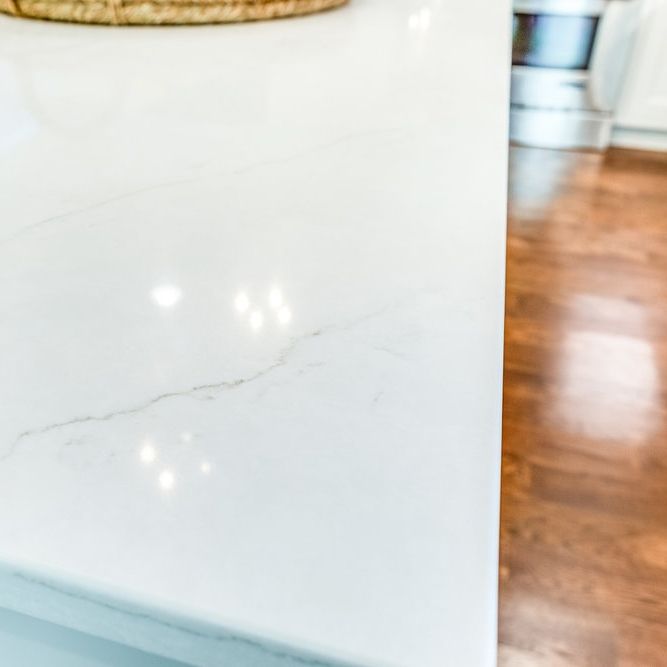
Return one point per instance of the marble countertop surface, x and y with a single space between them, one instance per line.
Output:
251 288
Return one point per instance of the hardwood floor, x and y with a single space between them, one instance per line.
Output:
584 502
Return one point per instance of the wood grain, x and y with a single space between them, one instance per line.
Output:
584 500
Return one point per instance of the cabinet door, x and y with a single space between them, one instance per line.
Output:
643 101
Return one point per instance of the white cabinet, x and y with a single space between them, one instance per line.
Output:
642 107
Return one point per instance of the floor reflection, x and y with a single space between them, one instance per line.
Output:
607 387
584 506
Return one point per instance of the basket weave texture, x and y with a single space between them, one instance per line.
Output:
156 12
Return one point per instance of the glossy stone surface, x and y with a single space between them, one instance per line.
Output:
252 296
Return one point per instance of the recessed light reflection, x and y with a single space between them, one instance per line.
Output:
278 311
275 298
256 320
167 296
147 454
205 468
167 480
242 302
186 437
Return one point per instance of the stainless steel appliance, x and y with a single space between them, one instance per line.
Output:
568 62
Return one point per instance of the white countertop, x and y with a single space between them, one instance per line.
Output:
251 288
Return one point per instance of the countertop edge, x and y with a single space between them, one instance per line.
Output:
115 615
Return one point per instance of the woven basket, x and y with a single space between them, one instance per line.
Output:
155 12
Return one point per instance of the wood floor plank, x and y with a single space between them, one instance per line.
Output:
584 497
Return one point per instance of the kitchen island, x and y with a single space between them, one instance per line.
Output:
252 286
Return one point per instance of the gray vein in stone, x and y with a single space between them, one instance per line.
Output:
213 387
313 149
191 392
242 170
92 207
389 351
220 636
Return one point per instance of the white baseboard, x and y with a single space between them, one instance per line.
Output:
647 140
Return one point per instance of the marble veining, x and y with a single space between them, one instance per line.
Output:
63 216
208 390
251 290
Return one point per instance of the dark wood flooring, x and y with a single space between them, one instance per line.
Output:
584 502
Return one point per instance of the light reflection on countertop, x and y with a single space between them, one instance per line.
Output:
253 311
172 462
167 296
420 19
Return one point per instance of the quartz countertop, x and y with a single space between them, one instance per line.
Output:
252 286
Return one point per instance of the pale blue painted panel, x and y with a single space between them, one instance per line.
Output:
28 642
